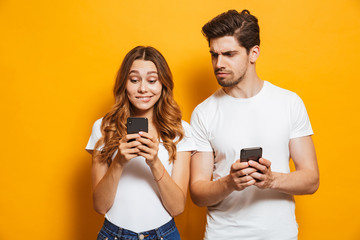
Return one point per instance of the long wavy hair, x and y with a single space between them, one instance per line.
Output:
167 114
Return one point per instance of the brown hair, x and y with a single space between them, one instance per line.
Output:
167 114
243 26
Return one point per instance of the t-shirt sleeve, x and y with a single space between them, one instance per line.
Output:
300 122
187 143
199 132
95 136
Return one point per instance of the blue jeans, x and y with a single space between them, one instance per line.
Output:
109 231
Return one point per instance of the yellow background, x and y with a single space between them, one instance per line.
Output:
58 60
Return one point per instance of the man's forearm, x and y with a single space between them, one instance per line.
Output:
299 182
208 193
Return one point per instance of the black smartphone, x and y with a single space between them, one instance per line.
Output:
247 154
137 124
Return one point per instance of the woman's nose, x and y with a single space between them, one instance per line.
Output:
142 87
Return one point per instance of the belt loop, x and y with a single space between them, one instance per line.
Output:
158 233
119 233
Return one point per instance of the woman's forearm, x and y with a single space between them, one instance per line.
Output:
172 196
105 190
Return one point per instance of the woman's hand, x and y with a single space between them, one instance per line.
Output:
128 149
148 148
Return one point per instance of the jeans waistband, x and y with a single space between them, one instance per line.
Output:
159 232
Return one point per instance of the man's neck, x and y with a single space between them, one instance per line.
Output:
246 88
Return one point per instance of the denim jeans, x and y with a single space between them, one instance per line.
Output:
109 231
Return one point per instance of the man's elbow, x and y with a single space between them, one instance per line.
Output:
197 198
314 185
197 201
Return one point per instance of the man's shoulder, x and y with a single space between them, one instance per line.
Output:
279 91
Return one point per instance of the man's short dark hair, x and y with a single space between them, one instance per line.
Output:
243 26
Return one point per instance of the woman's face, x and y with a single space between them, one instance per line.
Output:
143 87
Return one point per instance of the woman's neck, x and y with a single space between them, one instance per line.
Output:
146 114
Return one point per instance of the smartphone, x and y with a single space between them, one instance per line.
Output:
137 124
247 154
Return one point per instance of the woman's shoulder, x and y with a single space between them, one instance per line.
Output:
98 122
96 129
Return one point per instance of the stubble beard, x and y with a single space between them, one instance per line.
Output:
229 82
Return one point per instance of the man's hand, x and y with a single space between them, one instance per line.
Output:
240 175
263 176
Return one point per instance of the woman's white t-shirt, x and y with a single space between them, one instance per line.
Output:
137 205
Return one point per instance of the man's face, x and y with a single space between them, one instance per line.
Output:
230 60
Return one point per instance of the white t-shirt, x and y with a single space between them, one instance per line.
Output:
137 205
224 125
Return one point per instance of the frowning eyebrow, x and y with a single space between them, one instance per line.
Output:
137 72
227 53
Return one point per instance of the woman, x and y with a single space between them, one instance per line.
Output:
140 180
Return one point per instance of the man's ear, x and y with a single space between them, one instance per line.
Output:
254 53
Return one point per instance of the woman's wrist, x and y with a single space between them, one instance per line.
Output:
119 161
157 169
162 175
154 164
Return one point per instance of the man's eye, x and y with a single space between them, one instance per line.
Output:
229 54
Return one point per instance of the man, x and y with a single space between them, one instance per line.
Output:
249 200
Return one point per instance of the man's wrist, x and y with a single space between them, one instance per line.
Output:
274 183
227 184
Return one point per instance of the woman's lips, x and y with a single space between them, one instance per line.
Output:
144 98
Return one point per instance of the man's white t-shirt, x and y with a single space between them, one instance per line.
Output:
224 125
137 205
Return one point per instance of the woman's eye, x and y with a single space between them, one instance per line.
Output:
133 80
152 81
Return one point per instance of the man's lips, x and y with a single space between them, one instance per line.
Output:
221 73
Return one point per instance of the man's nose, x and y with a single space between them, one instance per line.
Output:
219 62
